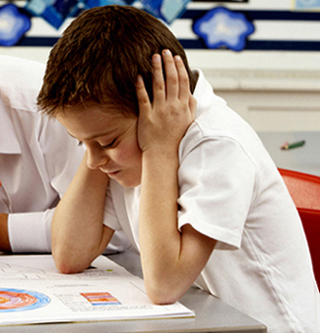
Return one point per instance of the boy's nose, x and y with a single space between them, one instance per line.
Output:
95 159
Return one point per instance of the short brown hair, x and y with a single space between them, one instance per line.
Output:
99 56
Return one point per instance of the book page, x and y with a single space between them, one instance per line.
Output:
33 291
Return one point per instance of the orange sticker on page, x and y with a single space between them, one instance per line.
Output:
100 298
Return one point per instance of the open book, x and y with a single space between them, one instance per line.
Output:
33 291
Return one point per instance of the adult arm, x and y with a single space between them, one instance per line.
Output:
78 233
29 223
171 260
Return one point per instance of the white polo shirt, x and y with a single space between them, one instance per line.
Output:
231 191
38 159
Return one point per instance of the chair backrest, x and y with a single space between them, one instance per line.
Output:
304 188
305 192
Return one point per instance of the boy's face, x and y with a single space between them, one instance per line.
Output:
110 139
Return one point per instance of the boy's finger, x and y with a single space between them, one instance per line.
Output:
142 96
158 84
184 88
172 80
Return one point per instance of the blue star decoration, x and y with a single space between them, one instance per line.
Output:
166 10
13 25
55 12
307 4
222 27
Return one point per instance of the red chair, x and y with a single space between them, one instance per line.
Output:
305 192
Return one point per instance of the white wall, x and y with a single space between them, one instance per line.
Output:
272 89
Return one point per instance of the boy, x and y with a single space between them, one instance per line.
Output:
199 198
38 160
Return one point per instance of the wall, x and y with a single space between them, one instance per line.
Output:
274 83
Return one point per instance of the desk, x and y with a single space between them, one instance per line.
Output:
304 159
212 315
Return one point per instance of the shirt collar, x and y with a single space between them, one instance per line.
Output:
204 93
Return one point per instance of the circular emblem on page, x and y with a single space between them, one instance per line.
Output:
21 300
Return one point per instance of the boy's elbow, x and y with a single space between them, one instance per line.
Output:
162 296
160 300
67 269
66 265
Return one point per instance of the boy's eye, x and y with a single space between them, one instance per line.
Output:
110 145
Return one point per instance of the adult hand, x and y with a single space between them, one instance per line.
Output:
4 236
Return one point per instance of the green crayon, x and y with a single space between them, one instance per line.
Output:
294 145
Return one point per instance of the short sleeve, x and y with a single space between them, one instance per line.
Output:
216 179
110 218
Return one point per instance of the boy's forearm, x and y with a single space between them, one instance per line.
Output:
77 225
171 260
160 240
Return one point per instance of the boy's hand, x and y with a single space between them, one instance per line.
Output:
163 123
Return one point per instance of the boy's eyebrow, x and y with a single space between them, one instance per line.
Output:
92 137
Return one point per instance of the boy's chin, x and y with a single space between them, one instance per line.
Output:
129 183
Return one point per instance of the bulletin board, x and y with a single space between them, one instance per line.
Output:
274 35
291 25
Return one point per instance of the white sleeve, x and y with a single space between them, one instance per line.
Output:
30 232
55 152
216 180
